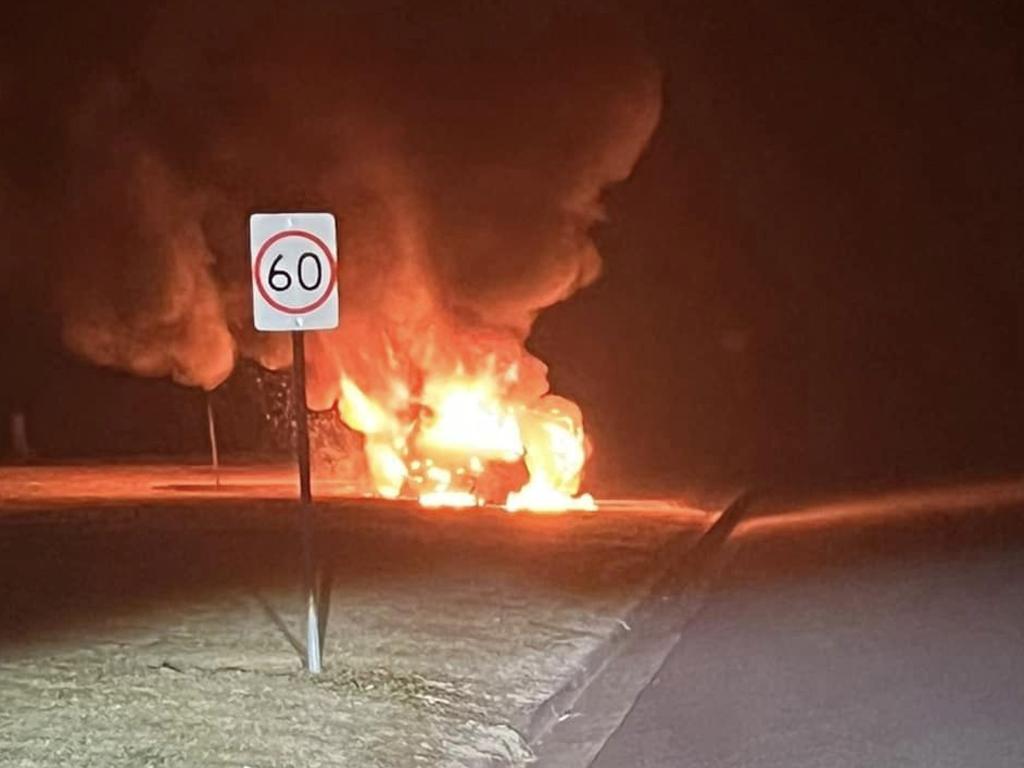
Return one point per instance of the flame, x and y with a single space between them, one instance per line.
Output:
451 436
555 452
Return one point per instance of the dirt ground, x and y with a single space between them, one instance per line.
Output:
163 630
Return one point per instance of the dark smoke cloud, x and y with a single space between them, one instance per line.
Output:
464 152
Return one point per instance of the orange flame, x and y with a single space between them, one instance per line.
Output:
454 436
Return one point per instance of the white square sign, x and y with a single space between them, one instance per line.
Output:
294 271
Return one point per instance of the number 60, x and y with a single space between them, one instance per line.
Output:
281 280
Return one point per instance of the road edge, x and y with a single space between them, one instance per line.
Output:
569 728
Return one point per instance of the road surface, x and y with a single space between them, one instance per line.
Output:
887 632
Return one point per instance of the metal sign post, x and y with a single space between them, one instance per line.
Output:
313 659
294 288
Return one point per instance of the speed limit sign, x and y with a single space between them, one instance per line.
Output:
294 271
295 288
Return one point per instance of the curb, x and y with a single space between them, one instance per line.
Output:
571 726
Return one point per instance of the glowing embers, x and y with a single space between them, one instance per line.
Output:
464 439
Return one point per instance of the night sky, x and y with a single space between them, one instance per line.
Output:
813 274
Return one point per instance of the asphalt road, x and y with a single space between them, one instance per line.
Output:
864 634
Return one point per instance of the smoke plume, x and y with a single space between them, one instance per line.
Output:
463 151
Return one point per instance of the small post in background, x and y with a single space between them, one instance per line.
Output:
212 427
19 436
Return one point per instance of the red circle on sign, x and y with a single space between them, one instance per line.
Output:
331 265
